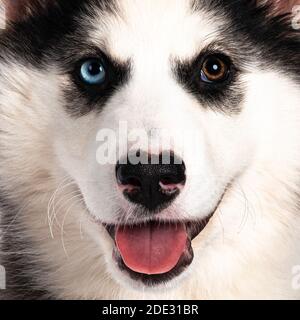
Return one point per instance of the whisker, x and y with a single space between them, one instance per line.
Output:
64 219
62 203
52 198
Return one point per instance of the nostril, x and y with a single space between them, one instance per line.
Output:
167 180
125 179
170 185
131 181
173 175
173 180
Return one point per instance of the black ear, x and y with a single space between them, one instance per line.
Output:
18 10
283 6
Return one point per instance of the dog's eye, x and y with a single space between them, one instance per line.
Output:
92 72
214 69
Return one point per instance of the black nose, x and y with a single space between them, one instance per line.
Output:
154 186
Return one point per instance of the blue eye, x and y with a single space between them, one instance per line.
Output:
93 72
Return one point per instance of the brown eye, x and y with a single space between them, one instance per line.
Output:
214 69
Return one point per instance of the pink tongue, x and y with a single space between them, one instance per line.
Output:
152 248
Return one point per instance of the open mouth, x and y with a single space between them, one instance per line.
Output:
155 252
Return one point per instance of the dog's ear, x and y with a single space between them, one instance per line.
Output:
283 6
18 10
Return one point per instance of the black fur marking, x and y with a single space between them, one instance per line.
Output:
258 34
55 36
251 33
225 96
31 40
82 98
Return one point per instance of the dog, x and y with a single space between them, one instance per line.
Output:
150 149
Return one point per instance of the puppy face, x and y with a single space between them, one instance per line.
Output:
193 80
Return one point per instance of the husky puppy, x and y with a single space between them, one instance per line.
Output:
88 85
